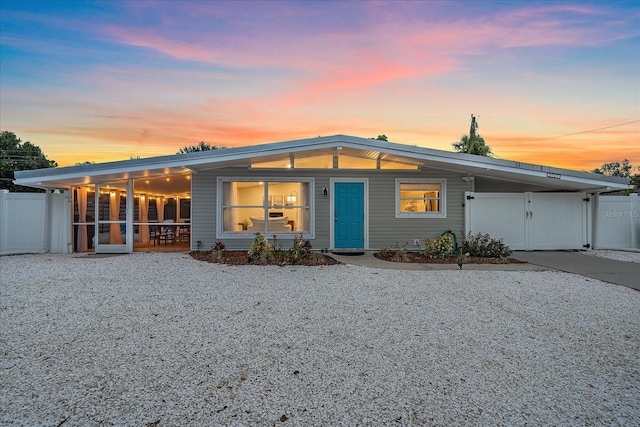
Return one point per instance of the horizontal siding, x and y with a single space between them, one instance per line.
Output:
385 230
203 209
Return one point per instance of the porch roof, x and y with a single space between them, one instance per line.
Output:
474 166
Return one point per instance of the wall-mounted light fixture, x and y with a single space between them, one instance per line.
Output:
467 179
325 191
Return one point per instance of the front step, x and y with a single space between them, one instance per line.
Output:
348 251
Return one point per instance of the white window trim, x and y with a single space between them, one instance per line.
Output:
221 234
443 198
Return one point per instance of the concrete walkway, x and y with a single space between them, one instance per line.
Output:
617 272
368 260
608 270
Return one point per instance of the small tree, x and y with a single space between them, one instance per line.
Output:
615 169
202 146
382 137
623 170
16 155
473 143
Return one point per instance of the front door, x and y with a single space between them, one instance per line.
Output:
348 215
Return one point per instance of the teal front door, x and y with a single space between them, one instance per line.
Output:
348 215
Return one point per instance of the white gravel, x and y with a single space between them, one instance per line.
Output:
616 255
162 339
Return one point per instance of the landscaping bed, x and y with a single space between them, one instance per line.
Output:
420 258
243 258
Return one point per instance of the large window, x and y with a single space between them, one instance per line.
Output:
419 198
279 207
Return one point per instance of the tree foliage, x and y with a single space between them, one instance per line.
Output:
623 170
16 155
615 169
382 137
472 143
202 146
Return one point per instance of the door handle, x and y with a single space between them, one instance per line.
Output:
335 216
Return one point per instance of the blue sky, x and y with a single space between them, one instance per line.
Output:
99 81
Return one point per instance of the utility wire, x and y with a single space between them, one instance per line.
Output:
586 131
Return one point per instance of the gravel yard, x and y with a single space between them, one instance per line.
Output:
160 339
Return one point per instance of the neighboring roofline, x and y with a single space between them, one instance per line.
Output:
191 161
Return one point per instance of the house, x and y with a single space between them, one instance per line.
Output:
341 192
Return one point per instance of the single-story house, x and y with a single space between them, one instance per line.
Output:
340 192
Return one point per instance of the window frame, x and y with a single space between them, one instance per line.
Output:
221 234
442 213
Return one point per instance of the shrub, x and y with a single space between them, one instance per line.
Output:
301 249
216 251
400 254
438 247
483 245
385 252
260 248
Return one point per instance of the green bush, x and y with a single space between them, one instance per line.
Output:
438 247
216 251
260 248
301 249
274 253
483 245
400 254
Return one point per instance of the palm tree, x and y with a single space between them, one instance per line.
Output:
472 143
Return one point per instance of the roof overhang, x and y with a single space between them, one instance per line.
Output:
471 165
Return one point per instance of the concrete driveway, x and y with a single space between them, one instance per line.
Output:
608 270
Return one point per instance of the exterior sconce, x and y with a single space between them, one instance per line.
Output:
467 179
325 191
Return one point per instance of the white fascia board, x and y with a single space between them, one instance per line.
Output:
488 164
183 162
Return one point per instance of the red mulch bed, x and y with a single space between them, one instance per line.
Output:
242 258
419 258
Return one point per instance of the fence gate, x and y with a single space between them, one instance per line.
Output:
531 221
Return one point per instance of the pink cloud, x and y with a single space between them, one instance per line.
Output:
152 40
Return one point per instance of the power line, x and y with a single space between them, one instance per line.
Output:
585 131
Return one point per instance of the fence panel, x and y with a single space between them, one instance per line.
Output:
618 222
23 223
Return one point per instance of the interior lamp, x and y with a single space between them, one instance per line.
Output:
292 199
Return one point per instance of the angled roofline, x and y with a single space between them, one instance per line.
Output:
192 161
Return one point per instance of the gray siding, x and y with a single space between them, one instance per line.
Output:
385 230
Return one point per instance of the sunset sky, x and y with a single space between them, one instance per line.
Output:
555 83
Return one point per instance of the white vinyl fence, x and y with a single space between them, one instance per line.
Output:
34 223
618 222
